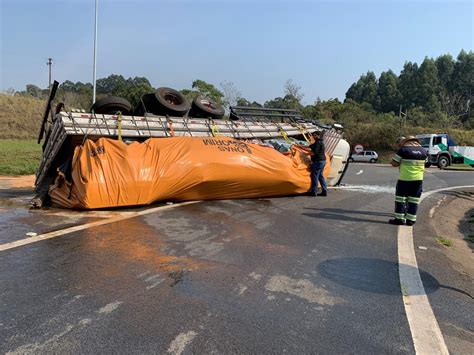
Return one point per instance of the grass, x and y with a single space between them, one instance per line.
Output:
444 241
20 117
385 156
19 157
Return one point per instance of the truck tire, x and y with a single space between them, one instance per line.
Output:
204 107
427 165
171 102
111 105
443 162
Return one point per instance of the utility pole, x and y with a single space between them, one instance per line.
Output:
400 118
49 63
95 52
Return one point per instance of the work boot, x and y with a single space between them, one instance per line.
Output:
323 193
409 223
396 221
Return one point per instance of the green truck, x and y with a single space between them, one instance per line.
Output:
443 150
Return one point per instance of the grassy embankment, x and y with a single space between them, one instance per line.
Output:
20 119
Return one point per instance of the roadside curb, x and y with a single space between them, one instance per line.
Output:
460 169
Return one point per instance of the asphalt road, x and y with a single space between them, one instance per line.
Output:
297 274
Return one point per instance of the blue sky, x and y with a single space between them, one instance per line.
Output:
323 46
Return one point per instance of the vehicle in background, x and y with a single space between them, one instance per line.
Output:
368 156
443 151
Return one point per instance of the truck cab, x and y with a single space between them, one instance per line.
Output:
443 151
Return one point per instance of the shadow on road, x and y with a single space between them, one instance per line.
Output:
345 215
16 192
374 275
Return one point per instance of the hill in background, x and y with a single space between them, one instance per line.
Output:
20 116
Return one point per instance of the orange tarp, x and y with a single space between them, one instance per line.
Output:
109 173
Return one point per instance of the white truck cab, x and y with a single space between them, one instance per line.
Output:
443 151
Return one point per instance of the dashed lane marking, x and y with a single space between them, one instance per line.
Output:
58 233
425 331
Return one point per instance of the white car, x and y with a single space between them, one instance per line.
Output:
368 156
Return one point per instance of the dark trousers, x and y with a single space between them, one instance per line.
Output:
317 168
407 198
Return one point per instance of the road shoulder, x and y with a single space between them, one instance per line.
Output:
446 264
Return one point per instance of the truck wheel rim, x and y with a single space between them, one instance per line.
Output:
207 103
172 99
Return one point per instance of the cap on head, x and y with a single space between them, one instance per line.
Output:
411 139
404 140
400 140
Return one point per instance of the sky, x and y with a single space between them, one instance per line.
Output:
322 46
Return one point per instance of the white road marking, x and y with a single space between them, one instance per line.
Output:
366 188
359 172
179 343
154 280
242 290
58 233
425 331
109 308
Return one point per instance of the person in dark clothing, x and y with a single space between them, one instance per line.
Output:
318 162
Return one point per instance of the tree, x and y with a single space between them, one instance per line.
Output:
9 92
364 90
287 102
445 66
389 97
428 86
407 84
131 89
293 91
189 94
135 88
453 103
208 90
112 85
231 94
244 102
463 73
34 91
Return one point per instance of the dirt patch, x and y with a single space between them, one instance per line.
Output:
301 288
11 182
453 220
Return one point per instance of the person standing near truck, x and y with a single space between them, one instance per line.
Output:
318 162
410 158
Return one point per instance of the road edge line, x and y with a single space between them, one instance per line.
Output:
426 333
60 232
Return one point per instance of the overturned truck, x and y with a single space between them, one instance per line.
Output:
115 157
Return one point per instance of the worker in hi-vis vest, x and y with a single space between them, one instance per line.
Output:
410 158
